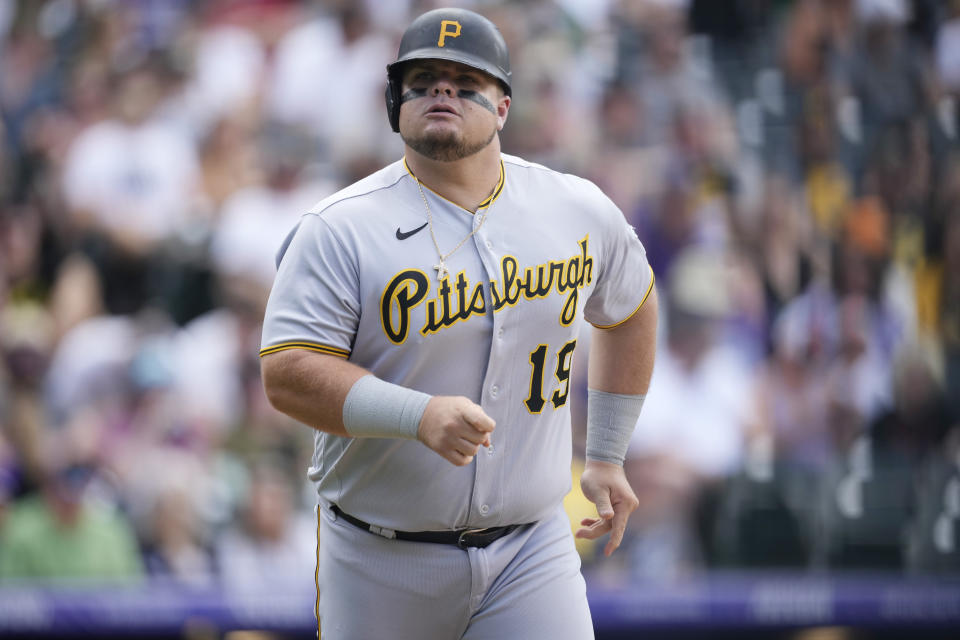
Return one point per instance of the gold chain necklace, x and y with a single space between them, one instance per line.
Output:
441 266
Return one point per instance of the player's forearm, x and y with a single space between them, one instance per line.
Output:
621 364
310 387
621 358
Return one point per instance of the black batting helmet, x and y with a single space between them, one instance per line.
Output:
458 35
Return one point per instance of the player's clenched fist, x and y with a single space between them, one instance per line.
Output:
456 428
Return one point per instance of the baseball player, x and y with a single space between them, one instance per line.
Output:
423 321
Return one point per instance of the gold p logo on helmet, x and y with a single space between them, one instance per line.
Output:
444 33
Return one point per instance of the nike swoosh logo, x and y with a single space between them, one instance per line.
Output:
403 235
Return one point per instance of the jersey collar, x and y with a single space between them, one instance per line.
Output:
486 203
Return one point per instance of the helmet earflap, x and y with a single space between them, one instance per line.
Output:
392 98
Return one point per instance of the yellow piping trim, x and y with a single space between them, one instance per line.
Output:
496 191
316 576
309 346
653 278
486 203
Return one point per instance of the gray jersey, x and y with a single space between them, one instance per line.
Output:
357 280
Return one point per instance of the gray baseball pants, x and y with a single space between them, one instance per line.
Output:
524 585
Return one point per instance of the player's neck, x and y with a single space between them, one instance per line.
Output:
466 182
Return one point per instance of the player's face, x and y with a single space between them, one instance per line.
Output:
448 110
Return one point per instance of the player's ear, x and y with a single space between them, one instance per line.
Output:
503 108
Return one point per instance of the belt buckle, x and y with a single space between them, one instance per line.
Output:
463 541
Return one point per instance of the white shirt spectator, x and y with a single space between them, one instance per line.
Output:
136 178
206 358
272 546
247 563
335 88
698 415
228 71
253 225
91 357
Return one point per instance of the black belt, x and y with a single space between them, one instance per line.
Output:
462 538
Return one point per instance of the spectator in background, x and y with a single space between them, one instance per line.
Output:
30 77
557 91
273 541
918 421
875 493
228 160
827 185
131 183
80 378
341 44
695 421
175 548
26 335
792 393
884 73
782 243
62 532
169 433
255 220
859 375
228 65
668 79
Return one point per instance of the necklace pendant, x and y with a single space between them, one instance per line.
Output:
441 270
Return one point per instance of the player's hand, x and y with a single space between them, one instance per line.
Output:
455 427
605 484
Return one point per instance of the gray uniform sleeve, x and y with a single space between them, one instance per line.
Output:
314 303
625 279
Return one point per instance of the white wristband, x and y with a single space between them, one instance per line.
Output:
375 408
611 418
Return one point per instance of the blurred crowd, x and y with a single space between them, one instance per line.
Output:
792 167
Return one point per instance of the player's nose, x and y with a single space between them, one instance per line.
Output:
443 86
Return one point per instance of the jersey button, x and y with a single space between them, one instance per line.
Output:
484 509
500 332
494 391
489 245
